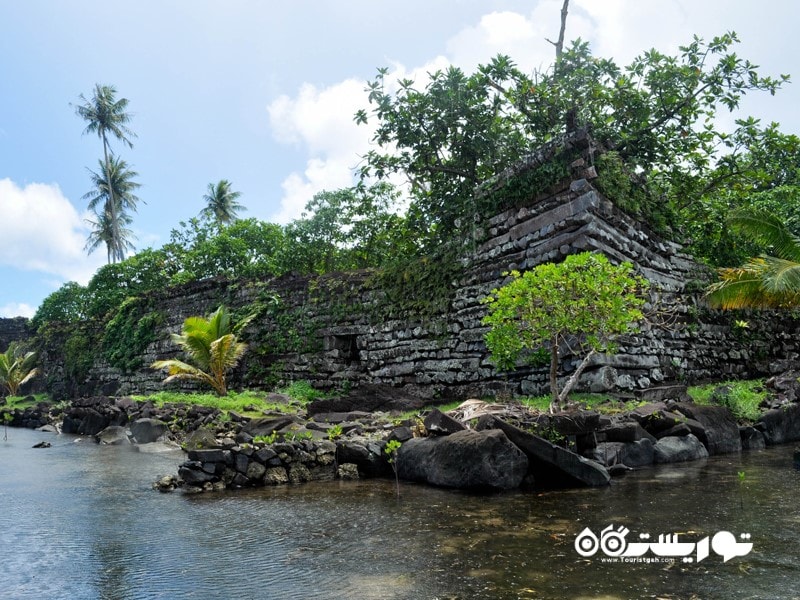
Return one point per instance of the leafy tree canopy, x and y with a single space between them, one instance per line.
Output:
578 306
658 113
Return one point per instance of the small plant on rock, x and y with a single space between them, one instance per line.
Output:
391 449
335 432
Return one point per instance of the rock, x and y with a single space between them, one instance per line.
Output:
464 460
299 473
114 435
266 426
192 473
200 439
157 447
626 431
796 458
438 423
341 417
146 431
347 471
167 483
679 430
42 445
400 434
275 476
718 429
781 425
47 429
207 456
368 398
752 438
630 454
664 392
551 465
679 449
370 462
255 471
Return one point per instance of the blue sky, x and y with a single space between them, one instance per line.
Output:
262 93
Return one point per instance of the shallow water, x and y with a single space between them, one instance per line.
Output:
80 521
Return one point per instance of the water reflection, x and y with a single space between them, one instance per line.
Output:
83 523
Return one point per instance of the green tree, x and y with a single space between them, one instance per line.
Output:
211 344
221 204
113 184
106 116
68 304
579 305
767 281
16 368
659 114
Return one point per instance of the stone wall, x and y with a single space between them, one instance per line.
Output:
13 330
341 330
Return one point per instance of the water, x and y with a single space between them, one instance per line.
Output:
80 521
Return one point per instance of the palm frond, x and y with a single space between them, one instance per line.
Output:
767 229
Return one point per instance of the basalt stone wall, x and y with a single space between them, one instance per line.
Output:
13 330
341 330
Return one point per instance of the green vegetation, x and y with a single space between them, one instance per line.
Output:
741 397
16 368
302 392
767 281
23 402
212 345
221 203
113 189
580 305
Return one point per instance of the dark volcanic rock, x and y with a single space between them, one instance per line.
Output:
146 431
551 465
718 430
113 435
752 438
630 454
368 398
465 460
679 449
780 425
438 423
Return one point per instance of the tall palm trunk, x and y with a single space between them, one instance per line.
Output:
113 243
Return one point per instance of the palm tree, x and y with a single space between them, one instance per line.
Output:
114 181
221 202
106 116
116 238
16 368
767 281
211 345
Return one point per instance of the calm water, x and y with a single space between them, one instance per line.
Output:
80 521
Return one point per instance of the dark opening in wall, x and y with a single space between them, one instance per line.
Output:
345 347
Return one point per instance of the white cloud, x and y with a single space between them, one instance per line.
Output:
320 121
15 309
42 231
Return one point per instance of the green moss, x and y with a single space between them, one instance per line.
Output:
134 326
251 404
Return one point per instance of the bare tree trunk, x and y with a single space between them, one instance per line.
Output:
560 43
574 378
554 374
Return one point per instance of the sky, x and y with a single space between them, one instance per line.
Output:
262 93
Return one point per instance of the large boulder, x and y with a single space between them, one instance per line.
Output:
113 435
631 454
718 430
89 416
551 465
368 398
780 425
438 423
473 460
679 449
146 431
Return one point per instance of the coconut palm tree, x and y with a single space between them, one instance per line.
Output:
221 203
767 281
211 344
112 182
16 368
117 239
106 116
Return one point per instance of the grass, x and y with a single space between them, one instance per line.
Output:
247 403
23 402
741 397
